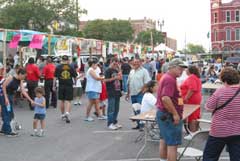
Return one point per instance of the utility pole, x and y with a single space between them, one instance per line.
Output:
152 42
77 10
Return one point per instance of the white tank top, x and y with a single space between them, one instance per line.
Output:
93 85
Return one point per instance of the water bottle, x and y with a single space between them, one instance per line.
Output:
9 107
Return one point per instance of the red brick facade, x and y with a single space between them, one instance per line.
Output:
225 26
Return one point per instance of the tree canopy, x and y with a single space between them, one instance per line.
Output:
109 30
194 49
38 14
144 37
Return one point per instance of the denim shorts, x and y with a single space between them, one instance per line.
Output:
93 95
39 116
170 133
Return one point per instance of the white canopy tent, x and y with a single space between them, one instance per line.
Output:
163 47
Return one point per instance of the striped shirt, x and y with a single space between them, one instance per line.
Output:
225 121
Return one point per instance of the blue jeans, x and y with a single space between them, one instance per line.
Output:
124 82
112 110
7 116
137 99
214 147
170 133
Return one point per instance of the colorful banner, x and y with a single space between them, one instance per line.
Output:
37 42
15 40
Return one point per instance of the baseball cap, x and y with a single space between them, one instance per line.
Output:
176 62
64 57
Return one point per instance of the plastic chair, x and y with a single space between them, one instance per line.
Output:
195 146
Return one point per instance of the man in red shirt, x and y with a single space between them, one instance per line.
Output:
33 75
48 74
170 109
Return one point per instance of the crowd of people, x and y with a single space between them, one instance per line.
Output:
152 83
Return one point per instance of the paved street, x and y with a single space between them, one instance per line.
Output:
77 141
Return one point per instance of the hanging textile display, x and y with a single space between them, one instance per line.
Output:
14 42
37 42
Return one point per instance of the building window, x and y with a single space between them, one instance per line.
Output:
228 34
237 34
237 16
215 35
228 16
215 18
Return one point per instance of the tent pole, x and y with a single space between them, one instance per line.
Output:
49 44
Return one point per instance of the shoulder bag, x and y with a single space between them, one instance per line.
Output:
227 102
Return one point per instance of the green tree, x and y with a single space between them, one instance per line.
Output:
32 14
109 30
145 38
194 49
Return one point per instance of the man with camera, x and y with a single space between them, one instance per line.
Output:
170 109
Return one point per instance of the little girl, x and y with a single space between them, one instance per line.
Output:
103 100
39 111
149 100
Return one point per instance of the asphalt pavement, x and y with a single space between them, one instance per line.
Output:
79 140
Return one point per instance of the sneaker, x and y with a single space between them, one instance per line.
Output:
12 134
41 134
102 118
75 103
118 126
79 103
67 119
190 136
89 119
112 127
96 114
34 133
2 133
63 117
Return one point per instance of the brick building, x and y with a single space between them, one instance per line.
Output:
225 26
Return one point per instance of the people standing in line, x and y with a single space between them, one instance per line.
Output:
103 98
148 67
10 87
39 112
169 113
48 75
41 63
16 59
154 68
33 76
126 68
225 126
138 77
77 88
112 79
93 89
159 75
191 94
65 75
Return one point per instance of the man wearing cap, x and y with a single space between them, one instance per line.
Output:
65 74
169 113
48 74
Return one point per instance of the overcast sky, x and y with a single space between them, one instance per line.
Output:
182 17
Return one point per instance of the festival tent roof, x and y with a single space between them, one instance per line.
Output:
163 47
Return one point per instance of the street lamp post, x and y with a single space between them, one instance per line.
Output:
160 24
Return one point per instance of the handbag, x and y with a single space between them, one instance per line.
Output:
227 102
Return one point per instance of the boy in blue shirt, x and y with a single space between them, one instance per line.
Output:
39 111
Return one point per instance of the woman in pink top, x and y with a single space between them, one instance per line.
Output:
225 127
